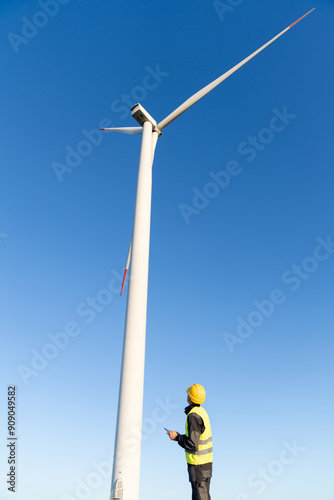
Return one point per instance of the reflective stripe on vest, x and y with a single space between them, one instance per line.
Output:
204 453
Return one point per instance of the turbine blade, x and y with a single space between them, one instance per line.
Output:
125 130
307 13
201 93
126 267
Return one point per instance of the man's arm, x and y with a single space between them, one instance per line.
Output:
195 429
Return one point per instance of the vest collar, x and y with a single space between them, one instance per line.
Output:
190 407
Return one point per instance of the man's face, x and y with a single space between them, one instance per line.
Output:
188 399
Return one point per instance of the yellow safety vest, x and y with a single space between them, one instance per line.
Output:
204 453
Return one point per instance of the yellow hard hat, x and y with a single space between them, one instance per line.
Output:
196 393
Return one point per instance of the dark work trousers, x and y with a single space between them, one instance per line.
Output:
200 491
200 482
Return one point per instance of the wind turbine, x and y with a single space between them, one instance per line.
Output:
126 466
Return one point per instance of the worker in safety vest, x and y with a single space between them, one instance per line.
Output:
197 442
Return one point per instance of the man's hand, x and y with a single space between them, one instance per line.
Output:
172 435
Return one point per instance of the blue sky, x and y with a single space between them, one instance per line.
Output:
241 280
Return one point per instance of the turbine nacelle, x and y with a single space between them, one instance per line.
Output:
140 114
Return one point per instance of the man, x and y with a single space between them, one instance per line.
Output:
197 442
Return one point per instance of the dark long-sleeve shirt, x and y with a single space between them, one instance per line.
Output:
196 427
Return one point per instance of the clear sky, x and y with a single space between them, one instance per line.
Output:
242 254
